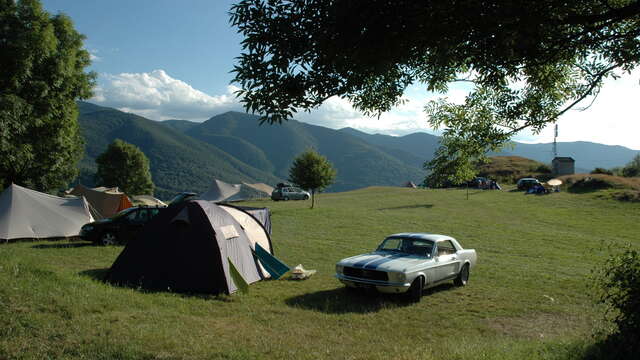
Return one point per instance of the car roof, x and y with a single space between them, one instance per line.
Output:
422 236
528 179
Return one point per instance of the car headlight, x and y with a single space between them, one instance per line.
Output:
339 269
399 277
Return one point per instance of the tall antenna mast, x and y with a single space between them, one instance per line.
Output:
555 143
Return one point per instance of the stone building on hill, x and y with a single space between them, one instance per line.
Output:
563 165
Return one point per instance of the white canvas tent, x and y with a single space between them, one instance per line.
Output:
26 213
220 191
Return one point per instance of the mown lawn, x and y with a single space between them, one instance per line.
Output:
528 298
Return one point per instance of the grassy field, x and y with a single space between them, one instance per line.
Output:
528 298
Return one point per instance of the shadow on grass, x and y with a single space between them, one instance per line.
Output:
101 274
349 300
419 206
612 348
95 274
62 246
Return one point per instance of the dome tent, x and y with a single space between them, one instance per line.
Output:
26 213
256 231
188 248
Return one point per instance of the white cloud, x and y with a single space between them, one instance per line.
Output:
613 119
158 96
93 56
404 119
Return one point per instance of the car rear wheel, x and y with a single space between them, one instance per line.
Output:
306 197
108 239
285 198
463 276
415 291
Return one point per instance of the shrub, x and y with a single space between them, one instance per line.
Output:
542 169
599 170
591 184
617 286
632 169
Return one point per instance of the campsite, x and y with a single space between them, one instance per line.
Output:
528 297
315 179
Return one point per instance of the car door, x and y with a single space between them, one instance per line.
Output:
447 262
297 194
134 223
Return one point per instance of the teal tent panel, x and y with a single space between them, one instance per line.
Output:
274 267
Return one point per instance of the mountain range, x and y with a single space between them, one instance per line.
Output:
233 147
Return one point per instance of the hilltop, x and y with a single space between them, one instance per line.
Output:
234 147
509 169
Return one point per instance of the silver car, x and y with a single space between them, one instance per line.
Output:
289 193
409 262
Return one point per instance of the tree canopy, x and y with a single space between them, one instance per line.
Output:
312 171
42 74
527 62
124 165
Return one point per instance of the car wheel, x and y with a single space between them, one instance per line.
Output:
108 238
306 197
463 276
285 198
415 291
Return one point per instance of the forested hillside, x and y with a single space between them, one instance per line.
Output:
178 162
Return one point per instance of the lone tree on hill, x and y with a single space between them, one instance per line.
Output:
42 64
526 62
312 171
124 165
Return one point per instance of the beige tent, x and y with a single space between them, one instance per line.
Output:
262 188
26 213
105 203
147 200
220 191
409 184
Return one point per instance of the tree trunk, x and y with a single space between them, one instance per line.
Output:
313 197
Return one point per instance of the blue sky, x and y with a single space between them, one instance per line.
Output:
172 59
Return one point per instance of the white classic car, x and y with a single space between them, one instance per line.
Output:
409 262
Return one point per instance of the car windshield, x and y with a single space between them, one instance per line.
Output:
407 245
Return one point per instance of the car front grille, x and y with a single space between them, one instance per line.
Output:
365 274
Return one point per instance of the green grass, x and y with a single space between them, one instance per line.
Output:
528 297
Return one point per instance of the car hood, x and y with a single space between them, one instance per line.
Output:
101 221
384 261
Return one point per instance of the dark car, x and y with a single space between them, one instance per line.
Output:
526 183
122 227
289 193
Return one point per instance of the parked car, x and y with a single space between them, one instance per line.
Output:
289 193
122 227
526 183
408 263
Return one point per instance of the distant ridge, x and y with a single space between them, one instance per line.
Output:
272 148
588 155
